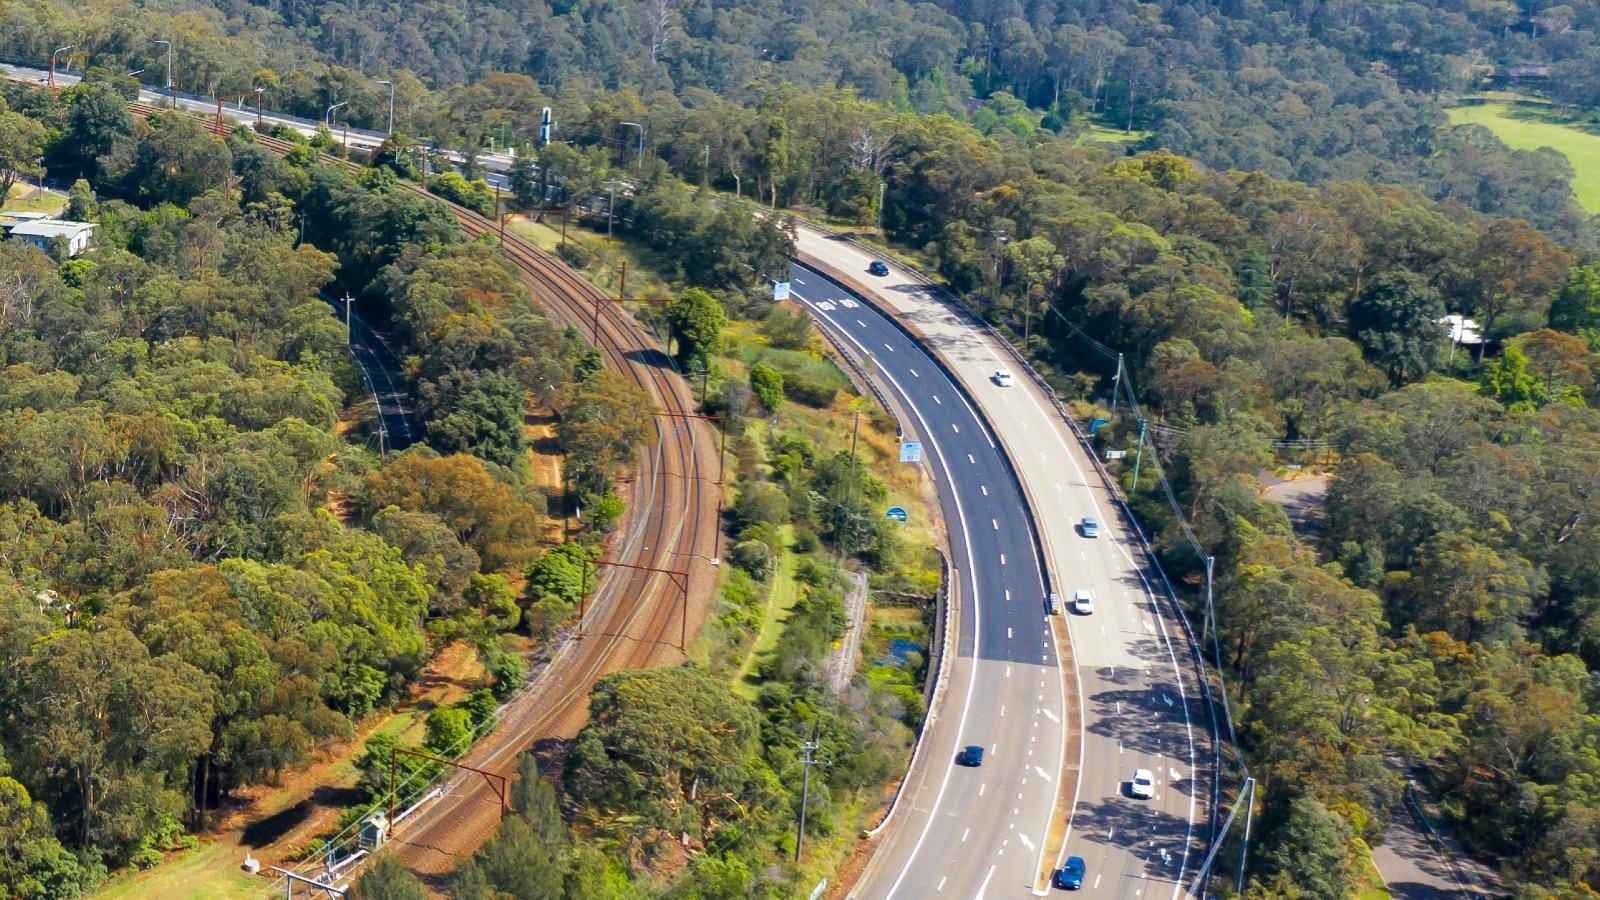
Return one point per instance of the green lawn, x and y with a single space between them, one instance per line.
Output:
23 200
208 872
781 598
1529 127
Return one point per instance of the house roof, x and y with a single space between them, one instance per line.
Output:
50 229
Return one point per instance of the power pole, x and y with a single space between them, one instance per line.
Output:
810 747
883 188
349 313
611 204
1138 456
1116 384
846 526
1244 849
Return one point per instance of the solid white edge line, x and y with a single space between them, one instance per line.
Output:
977 620
934 292
1061 743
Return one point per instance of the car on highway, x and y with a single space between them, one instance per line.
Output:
1089 527
1142 785
1003 378
878 268
972 756
1070 875
1083 602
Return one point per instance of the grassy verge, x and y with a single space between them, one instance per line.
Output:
207 872
781 598
23 200
1526 126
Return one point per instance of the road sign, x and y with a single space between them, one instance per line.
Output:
1095 425
897 513
911 451
1116 454
780 290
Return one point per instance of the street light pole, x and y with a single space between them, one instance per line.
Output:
171 99
641 142
327 117
391 102
53 56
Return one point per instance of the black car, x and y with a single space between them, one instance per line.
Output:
972 756
878 267
1070 876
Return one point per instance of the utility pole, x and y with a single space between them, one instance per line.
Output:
846 525
883 188
1116 384
810 748
1138 456
611 204
705 167
1244 849
69 65
349 313
641 142
172 100
391 102
1209 621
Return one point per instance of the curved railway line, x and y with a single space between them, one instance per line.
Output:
676 510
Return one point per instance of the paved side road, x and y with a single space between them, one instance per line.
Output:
1415 868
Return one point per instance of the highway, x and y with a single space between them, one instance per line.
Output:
1133 668
1004 685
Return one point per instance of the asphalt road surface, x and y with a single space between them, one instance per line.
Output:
398 424
1142 706
968 832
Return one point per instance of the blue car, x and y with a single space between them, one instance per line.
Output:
972 756
878 268
1070 876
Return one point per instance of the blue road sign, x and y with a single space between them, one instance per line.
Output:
911 451
1095 425
897 513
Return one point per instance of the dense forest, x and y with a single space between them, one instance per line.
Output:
209 574
1313 92
1272 262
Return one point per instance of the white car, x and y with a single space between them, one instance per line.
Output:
1083 602
1003 378
1143 785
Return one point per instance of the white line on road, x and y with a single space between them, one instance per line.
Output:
937 400
964 834
861 323
995 523
1002 559
971 460
985 886
956 427
1049 715
913 372
1008 637
1042 774
942 880
1025 841
985 489
888 348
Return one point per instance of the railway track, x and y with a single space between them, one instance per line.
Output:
631 621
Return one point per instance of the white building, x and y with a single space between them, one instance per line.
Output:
41 232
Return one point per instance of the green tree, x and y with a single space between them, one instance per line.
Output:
604 419
97 117
1508 380
33 864
1576 307
1305 855
767 384
1396 320
697 320
21 144
673 747
387 879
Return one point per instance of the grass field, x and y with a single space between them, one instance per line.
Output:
22 199
1528 127
208 872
